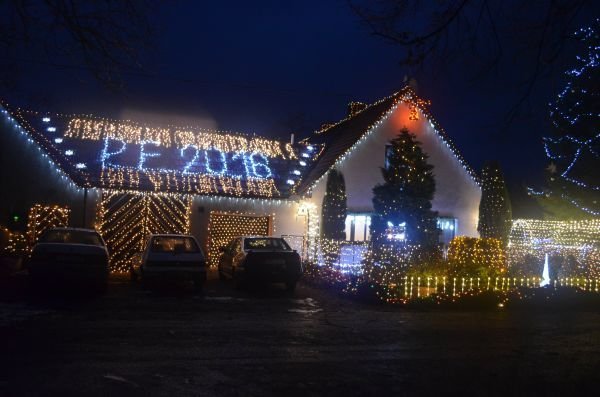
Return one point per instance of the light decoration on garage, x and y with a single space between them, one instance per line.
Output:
577 240
43 217
408 97
126 220
223 227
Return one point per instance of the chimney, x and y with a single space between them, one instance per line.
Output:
292 139
355 107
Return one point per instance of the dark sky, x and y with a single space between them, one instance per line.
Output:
280 66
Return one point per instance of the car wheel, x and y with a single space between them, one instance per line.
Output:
221 274
144 283
290 286
198 284
133 277
238 283
102 287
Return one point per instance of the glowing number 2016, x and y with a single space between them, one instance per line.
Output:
189 164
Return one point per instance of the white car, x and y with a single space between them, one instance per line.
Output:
69 254
170 257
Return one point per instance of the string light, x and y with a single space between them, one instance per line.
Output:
531 240
225 226
126 220
43 217
408 97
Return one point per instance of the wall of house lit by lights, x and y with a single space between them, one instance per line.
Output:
29 177
283 216
457 193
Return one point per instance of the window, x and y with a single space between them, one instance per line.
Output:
388 154
448 227
358 227
174 244
71 236
266 243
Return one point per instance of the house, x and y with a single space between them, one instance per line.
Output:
129 179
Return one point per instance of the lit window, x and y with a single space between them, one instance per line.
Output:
447 225
358 227
388 155
396 232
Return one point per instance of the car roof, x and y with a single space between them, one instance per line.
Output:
171 235
75 229
261 237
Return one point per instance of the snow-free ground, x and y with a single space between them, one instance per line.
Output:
172 341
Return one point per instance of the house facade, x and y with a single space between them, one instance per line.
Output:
129 179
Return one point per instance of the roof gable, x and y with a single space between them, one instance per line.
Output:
338 140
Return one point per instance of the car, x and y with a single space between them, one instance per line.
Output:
69 254
260 259
176 257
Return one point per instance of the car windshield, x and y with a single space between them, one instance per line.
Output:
68 236
174 244
257 243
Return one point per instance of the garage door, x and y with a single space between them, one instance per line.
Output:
223 227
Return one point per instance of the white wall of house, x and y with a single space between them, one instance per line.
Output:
284 214
457 195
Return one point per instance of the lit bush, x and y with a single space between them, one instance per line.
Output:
476 257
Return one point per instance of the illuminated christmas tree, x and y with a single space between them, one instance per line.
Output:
402 204
573 180
495 213
333 224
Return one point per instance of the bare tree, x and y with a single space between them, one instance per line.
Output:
490 34
104 37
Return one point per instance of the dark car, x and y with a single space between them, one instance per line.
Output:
69 254
260 259
175 257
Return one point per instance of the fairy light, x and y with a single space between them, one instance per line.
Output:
42 217
532 239
126 220
177 159
467 255
225 226
408 97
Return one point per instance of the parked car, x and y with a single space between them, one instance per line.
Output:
256 259
170 257
69 254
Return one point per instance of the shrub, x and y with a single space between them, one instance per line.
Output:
476 257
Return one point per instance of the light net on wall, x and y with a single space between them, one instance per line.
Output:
126 220
43 217
225 226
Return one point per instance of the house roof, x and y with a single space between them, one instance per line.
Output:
339 139
123 155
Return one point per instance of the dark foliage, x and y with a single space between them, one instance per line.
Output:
406 194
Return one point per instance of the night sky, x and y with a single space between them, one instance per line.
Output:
280 67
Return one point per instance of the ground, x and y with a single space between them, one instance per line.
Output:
173 341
